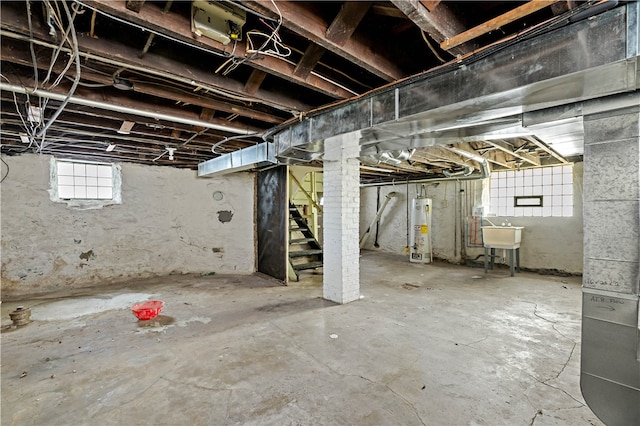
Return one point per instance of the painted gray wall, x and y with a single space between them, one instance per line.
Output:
547 243
168 222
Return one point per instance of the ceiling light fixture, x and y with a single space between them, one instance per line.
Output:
171 151
111 147
24 138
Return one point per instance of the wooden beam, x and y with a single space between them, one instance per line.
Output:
309 60
387 10
121 98
135 5
506 147
299 19
119 55
495 23
206 114
430 4
440 23
547 149
179 27
345 23
562 7
11 52
255 80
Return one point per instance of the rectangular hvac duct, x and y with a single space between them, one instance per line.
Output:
261 155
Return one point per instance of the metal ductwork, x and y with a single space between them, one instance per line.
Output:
261 155
392 158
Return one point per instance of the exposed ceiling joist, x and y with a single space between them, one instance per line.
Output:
440 23
506 147
495 23
118 55
309 60
12 54
547 149
299 19
343 25
179 27
255 80
430 4
387 10
131 106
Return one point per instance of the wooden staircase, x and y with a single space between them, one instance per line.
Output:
305 251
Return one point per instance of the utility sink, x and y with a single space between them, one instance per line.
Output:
502 237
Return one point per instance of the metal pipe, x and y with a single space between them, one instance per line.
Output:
377 217
123 109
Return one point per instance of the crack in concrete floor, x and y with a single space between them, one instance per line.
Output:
277 353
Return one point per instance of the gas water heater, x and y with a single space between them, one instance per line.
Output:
420 231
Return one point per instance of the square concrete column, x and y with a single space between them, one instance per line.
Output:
610 370
341 218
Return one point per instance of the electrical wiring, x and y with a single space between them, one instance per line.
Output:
76 49
94 85
231 138
6 174
277 44
147 71
54 57
195 135
31 48
235 62
149 30
433 50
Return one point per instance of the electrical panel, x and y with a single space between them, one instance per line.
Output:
217 20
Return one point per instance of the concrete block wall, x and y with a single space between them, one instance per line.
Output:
168 222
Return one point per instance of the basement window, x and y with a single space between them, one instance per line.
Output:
538 192
85 184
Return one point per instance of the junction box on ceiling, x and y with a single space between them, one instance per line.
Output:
219 21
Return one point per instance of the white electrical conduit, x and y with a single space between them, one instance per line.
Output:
125 110
141 69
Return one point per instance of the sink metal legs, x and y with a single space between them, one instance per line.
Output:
491 258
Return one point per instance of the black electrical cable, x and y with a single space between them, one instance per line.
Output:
6 174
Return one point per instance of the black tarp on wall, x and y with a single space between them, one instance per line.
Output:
272 215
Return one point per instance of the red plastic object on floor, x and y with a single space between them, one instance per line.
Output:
147 310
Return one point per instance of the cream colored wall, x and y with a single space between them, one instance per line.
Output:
547 243
168 222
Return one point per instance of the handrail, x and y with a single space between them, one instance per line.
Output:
297 182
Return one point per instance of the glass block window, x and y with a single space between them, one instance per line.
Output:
84 181
513 192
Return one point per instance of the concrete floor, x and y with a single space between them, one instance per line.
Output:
428 344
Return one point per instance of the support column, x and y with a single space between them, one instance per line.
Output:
610 369
341 218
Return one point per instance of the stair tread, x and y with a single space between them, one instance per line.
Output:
300 253
301 240
310 265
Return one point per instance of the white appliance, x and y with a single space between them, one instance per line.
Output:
216 20
420 231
